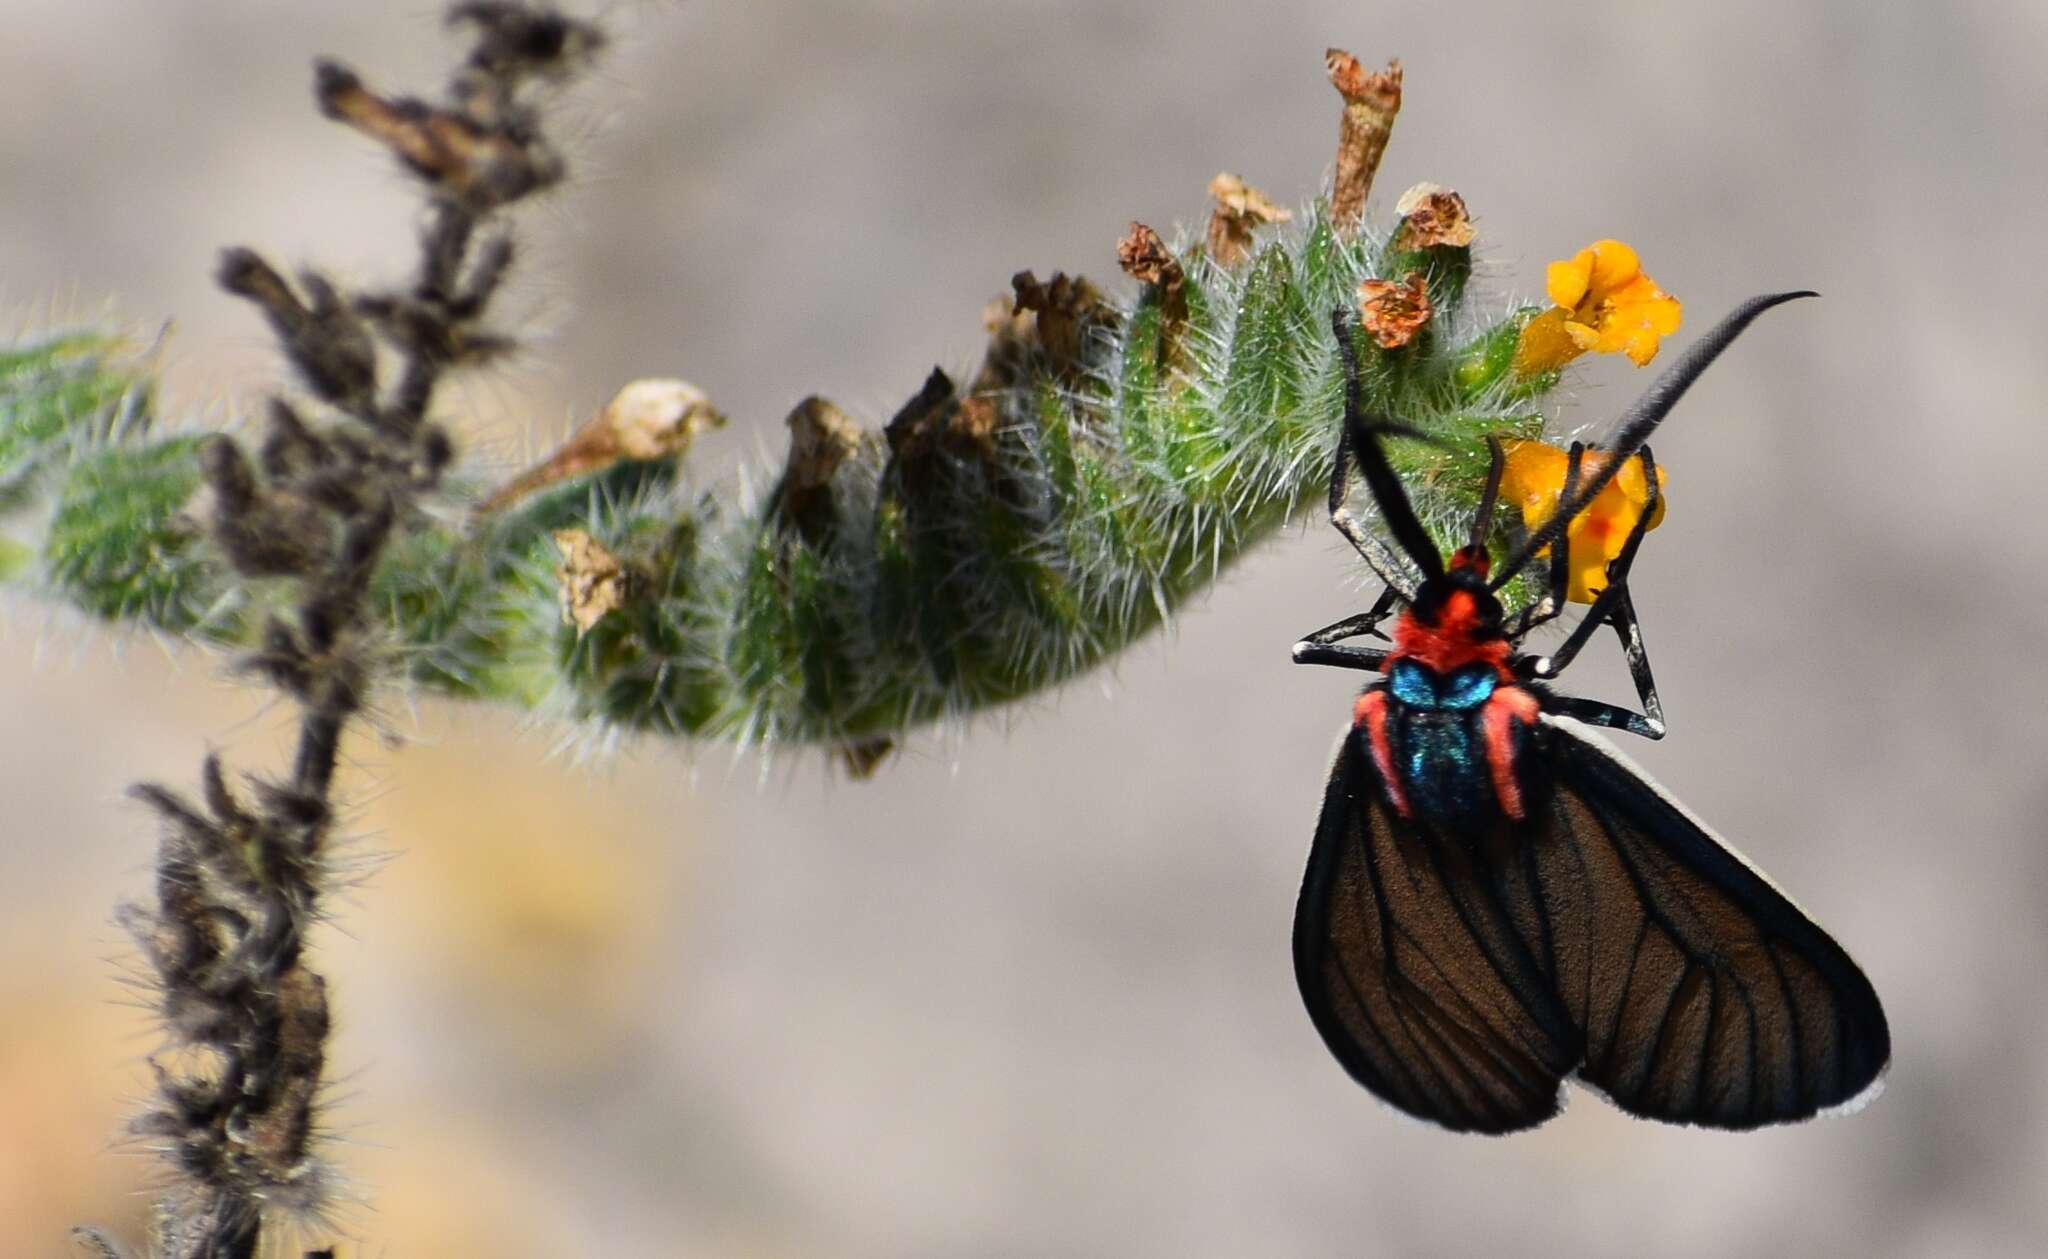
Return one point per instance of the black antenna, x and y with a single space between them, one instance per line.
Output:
1642 419
1482 524
1363 439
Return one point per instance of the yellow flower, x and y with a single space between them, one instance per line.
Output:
1604 303
1544 345
1533 479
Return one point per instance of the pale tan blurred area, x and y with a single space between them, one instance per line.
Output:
1028 992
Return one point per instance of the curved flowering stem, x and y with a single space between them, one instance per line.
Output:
997 536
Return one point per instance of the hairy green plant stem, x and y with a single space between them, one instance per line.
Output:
1104 465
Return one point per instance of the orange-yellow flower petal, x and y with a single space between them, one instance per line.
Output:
1545 344
1601 268
1607 305
1533 479
1567 281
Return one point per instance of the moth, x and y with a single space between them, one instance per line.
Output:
1496 899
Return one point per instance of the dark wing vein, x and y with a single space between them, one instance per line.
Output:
1661 917
1398 932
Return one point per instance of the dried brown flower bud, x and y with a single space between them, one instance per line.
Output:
1394 312
1371 100
1240 208
647 419
1068 308
821 438
1145 258
937 425
591 579
1432 215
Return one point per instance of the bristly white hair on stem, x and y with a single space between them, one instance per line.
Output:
999 535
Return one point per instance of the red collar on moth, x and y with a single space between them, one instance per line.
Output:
1452 640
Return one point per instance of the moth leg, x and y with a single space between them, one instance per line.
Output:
1551 605
1615 606
1630 631
1357 626
1596 713
1616 592
1650 722
1370 658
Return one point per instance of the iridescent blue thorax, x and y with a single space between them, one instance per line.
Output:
1419 686
1439 749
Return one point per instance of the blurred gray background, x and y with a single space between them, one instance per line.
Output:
1028 992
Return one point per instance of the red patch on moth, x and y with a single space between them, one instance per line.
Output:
1473 558
1452 641
1370 715
1508 705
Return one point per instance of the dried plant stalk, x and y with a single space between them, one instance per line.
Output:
242 875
